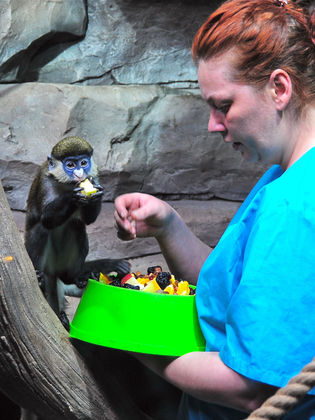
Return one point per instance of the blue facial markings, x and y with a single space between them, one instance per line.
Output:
76 164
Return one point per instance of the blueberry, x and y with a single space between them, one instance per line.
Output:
163 279
131 286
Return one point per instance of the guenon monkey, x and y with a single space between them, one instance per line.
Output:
57 213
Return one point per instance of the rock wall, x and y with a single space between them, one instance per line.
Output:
118 73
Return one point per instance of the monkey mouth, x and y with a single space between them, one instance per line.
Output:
79 179
79 175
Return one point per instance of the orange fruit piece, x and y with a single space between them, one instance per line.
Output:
104 279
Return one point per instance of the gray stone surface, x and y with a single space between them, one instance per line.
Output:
148 139
28 25
125 42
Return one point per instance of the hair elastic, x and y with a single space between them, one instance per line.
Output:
281 3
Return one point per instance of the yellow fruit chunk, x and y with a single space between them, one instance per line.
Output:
88 187
143 280
104 279
173 280
152 286
183 288
169 289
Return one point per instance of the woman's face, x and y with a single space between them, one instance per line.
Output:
245 116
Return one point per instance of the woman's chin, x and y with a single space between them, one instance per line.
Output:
247 154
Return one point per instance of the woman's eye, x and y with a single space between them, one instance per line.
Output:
224 108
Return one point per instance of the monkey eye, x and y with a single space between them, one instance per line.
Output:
70 164
84 163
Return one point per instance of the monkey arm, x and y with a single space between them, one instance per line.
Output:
50 202
93 268
91 210
60 208
90 205
58 211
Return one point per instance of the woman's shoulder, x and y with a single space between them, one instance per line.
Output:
297 180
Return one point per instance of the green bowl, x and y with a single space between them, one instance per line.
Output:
137 321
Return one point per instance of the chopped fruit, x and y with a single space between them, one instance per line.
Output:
183 288
116 283
144 279
112 274
169 289
133 282
127 277
154 270
152 286
88 187
131 286
105 279
156 281
163 279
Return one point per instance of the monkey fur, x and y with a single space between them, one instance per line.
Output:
56 217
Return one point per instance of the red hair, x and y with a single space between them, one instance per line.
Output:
266 35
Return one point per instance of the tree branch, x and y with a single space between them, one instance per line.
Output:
40 368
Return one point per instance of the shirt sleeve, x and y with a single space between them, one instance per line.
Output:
270 319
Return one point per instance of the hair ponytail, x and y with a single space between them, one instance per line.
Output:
308 7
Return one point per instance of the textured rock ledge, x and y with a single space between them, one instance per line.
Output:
148 139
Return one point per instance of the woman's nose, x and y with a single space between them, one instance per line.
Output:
215 121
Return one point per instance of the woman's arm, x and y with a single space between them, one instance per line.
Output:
142 215
200 374
184 253
204 376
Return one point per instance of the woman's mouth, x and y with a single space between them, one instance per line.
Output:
236 145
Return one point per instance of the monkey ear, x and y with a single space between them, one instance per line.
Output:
50 162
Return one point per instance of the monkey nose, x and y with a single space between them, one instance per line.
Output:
79 174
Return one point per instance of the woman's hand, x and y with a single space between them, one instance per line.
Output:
141 215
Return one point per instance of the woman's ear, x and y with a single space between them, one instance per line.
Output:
281 88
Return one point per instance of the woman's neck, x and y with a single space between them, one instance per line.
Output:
304 131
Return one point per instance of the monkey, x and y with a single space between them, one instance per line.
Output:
57 213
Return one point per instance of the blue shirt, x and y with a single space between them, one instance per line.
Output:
256 291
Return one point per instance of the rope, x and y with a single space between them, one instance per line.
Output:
275 407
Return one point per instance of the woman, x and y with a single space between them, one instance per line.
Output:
256 290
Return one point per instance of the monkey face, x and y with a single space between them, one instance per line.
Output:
77 167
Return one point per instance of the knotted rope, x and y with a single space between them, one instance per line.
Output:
275 407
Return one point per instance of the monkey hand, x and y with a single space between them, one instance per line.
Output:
98 194
82 197
99 190
64 320
41 280
82 282
79 198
